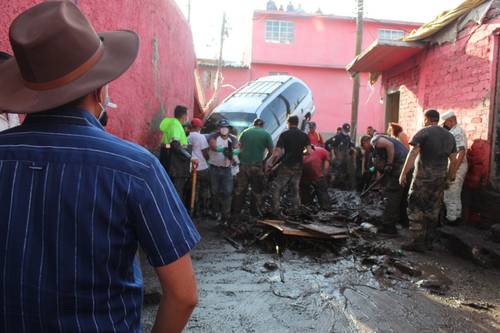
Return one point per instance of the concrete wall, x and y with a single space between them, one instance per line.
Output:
456 76
161 77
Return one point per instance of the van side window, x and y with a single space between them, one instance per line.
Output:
295 94
274 112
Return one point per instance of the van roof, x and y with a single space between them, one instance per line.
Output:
262 87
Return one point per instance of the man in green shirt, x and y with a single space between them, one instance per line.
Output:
174 154
254 142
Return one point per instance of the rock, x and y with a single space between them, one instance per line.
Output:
271 266
495 233
369 227
406 267
434 284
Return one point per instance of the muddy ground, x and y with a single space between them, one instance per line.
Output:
364 284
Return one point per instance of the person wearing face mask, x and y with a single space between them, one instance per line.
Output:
175 153
453 194
75 200
223 149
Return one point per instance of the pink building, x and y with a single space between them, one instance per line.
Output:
316 48
454 69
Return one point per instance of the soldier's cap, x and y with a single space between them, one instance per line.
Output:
447 115
346 127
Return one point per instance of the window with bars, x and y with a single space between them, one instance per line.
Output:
280 31
390 34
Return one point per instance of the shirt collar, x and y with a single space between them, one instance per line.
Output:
65 115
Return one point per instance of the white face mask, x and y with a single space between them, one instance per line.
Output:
224 131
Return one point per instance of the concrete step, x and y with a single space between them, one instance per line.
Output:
473 244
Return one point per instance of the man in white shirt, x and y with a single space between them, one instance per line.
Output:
7 120
200 147
452 196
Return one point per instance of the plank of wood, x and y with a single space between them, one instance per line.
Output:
325 229
296 231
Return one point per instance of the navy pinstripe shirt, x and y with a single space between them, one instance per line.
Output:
75 203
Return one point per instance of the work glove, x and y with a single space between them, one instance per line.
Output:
388 168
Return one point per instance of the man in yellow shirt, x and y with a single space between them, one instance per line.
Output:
174 154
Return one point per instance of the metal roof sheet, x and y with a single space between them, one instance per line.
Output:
384 54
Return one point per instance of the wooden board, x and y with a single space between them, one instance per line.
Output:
325 229
290 230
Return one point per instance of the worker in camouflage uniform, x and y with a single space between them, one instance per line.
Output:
436 149
289 155
389 157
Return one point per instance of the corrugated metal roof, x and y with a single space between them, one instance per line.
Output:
383 54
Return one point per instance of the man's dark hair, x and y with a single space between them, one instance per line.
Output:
433 115
180 111
258 122
365 138
293 120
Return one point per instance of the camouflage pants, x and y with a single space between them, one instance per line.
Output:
286 175
315 188
424 202
393 196
252 175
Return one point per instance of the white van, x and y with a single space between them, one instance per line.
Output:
271 98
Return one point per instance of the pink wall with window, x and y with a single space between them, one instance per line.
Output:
322 47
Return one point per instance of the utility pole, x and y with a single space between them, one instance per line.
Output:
223 34
356 83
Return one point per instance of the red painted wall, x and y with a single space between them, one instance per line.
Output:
162 75
456 76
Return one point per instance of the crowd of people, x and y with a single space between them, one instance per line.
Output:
303 166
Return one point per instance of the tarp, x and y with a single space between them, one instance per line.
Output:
442 20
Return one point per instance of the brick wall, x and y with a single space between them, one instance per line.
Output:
454 76
407 82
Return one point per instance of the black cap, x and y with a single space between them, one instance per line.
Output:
346 127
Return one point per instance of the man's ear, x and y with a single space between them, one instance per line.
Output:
98 95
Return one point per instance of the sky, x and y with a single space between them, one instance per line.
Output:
206 19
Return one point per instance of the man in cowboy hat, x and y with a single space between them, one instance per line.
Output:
75 201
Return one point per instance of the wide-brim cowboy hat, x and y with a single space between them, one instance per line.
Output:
58 58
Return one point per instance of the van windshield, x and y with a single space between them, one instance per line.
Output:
238 120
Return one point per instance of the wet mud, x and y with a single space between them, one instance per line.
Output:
241 291
364 284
